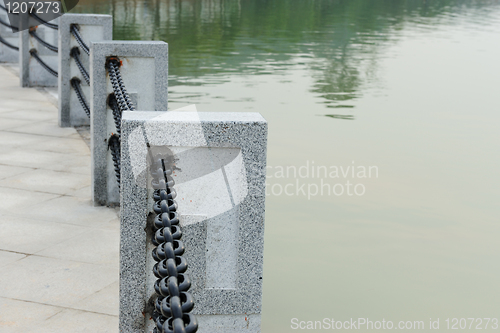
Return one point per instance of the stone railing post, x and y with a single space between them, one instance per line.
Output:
219 172
8 54
91 28
144 69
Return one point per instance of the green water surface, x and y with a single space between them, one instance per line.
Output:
409 88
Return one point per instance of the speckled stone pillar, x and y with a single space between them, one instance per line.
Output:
31 73
8 54
144 69
220 163
92 28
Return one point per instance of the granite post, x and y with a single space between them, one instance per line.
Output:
144 69
220 164
92 27
31 73
8 54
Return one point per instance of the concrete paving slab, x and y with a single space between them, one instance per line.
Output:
12 140
103 301
30 236
7 257
54 281
96 246
45 160
16 93
63 145
42 128
15 201
10 105
47 181
74 210
59 264
4 108
21 316
81 193
9 171
8 124
28 114
78 322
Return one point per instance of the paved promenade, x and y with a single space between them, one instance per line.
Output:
58 254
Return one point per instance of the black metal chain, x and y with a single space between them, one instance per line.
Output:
173 302
119 101
41 20
114 144
75 54
44 43
75 83
117 113
3 41
8 25
35 55
76 33
130 105
121 94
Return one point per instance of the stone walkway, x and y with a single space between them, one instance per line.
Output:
58 254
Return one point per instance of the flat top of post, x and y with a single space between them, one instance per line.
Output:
183 116
131 42
85 15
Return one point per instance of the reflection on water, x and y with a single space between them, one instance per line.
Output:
419 79
339 116
336 42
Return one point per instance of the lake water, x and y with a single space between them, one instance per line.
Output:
407 91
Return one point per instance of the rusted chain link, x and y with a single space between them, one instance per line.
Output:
173 303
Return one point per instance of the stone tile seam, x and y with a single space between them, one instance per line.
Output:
17 174
58 306
109 285
66 137
48 257
44 168
66 223
42 192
